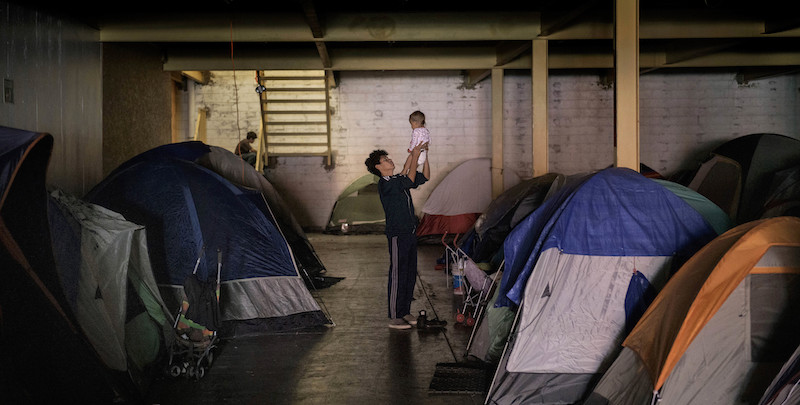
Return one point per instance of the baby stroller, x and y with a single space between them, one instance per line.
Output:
478 285
196 325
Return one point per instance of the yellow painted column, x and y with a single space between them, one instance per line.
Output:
626 87
497 133
200 128
539 77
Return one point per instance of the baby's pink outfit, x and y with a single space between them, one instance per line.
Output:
418 136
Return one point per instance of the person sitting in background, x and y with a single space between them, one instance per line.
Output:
247 152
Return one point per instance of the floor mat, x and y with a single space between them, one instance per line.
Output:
460 378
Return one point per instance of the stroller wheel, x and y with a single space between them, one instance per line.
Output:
174 370
201 371
470 321
190 372
460 317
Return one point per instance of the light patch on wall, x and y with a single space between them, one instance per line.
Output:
8 91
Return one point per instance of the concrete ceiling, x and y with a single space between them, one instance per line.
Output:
756 37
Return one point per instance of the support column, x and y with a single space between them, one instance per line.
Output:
626 87
539 77
497 133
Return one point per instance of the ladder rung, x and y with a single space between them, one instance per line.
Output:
296 144
297 123
297 133
295 112
273 100
292 78
295 89
297 154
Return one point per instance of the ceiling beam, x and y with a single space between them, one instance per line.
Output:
310 14
287 27
681 51
674 25
279 27
781 25
555 24
508 51
480 59
747 75
473 77
317 31
440 27
201 77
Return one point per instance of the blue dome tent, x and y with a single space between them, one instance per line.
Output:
190 212
581 269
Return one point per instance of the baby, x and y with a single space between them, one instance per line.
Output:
419 135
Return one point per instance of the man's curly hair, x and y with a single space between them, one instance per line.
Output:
373 160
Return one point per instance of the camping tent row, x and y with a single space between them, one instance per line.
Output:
84 311
579 272
190 212
451 208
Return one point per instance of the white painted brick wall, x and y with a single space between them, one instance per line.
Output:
682 117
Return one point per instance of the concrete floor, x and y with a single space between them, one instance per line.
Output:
357 361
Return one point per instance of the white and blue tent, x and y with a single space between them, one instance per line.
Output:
581 270
187 208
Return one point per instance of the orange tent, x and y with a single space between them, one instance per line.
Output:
718 320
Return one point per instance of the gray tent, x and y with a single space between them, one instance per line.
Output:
739 172
104 266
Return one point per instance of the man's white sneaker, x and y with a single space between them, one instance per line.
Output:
399 323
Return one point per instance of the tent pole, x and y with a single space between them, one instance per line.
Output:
504 358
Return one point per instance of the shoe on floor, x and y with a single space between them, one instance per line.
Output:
410 319
399 323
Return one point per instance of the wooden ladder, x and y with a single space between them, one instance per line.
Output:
295 113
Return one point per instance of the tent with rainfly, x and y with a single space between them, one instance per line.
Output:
190 213
103 264
45 355
235 170
738 174
506 211
721 328
491 333
784 194
358 208
582 268
460 198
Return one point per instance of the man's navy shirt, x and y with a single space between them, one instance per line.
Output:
397 204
